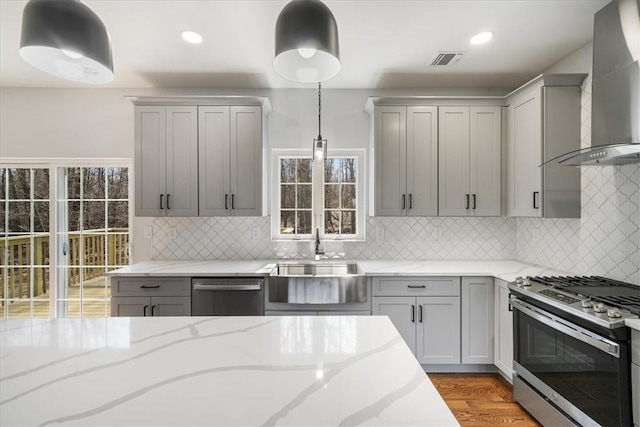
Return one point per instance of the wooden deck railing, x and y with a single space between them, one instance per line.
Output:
93 249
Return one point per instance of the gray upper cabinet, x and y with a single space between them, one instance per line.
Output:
230 157
543 122
406 160
470 161
166 160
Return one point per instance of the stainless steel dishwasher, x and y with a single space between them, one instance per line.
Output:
230 296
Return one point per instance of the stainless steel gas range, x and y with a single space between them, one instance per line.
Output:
572 349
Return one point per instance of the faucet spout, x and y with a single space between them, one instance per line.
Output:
318 251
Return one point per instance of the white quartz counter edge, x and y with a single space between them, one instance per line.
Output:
633 324
502 269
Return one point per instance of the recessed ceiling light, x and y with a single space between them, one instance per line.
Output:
482 37
191 37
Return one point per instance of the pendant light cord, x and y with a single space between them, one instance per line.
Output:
319 111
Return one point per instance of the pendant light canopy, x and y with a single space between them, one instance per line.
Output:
307 49
67 39
319 144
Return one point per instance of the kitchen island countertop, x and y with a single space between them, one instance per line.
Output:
213 371
503 269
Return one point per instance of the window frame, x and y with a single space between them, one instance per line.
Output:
317 204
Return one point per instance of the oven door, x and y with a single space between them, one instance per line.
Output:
582 374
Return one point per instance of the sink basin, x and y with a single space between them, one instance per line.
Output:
316 270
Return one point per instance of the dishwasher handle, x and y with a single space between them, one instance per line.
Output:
227 284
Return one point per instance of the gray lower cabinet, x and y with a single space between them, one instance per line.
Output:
426 312
503 330
137 297
477 320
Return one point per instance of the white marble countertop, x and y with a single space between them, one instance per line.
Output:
633 323
503 269
353 370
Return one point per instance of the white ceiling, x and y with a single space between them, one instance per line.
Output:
383 43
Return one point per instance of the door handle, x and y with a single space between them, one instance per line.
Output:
226 201
233 201
535 199
410 201
420 308
144 310
413 313
474 201
404 204
467 197
168 201
152 309
161 201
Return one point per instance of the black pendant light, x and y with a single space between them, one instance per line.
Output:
67 39
319 144
307 49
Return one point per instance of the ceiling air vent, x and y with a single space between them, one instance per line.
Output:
446 58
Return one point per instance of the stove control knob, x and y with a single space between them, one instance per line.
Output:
526 283
587 303
518 281
599 307
614 313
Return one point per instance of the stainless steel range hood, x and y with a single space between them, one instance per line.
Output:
615 101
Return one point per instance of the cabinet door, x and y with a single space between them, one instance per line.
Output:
422 161
524 149
182 161
503 350
402 312
453 149
170 306
130 306
390 135
150 160
214 157
485 160
438 330
246 161
477 320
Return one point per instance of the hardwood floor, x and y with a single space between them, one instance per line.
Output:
481 400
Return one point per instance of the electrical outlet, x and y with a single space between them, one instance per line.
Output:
255 233
437 232
536 234
148 232
380 233
173 233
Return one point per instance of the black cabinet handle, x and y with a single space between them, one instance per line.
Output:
161 201
233 201
413 313
416 286
410 201
535 199
474 201
420 306
467 197
152 309
226 201
168 201
149 286
144 310
404 204
509 303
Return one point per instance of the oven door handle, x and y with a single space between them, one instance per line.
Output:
568 328
203 287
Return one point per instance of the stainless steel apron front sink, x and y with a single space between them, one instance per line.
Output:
317 283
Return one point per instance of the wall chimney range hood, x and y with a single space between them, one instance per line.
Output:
615 102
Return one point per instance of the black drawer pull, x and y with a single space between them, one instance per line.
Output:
152 310
410 201
161 200
416 286
233 201
535 200
226 201
144 310
474 201
149 286
168 201
467 197
404 202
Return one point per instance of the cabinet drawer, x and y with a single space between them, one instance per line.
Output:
150 286
420 286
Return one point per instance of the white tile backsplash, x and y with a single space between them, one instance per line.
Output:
605 241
